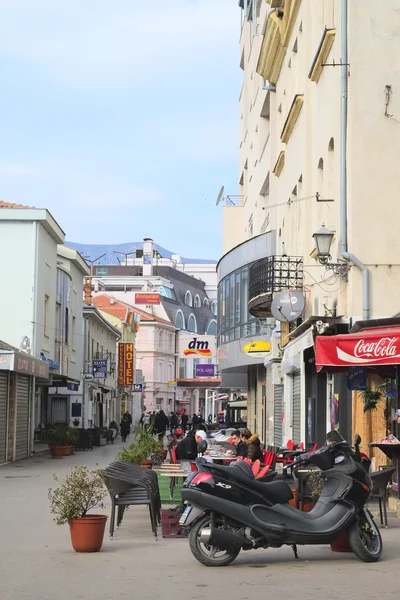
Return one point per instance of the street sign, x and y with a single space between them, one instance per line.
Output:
102 271
99 368
138 387
205 370
87 377
171 383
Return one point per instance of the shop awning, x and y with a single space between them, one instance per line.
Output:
368 348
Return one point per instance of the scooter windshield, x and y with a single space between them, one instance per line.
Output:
334 436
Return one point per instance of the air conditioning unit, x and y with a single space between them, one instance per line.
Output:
276 350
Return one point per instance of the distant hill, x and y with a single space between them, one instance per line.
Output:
92 251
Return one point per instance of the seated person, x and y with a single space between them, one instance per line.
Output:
187 448
254 451
241 447
246 435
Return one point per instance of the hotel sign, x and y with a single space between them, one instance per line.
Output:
126 369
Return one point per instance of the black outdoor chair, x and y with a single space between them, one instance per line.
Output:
130 484
380 481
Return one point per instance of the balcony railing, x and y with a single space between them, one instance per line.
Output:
270 275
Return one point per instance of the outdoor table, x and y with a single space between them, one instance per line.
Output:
222 458
392 451
173 476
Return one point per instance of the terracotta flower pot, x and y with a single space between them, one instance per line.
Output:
146 464
87 533
67 450
72 450
56 451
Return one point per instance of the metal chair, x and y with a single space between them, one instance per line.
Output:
380 481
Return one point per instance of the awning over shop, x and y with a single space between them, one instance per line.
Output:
370 347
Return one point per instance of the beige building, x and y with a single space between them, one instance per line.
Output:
319 144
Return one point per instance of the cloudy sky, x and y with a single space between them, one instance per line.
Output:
121 116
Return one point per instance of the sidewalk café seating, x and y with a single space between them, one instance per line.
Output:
380 481
131 485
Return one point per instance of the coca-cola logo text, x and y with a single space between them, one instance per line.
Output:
384 347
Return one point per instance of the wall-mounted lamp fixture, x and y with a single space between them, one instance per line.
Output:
323 241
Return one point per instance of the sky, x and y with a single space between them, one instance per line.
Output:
121 117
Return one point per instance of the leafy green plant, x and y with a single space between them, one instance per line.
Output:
71 436
57 434
315 480
76 422
77 494
371 397
144 446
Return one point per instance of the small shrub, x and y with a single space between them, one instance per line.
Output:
77 494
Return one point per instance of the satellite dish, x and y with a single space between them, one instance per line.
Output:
288 306
220 196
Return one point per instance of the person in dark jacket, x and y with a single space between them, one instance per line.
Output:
125 429
128 416
184 421
187 448
161 424
173 422
254 451
241 447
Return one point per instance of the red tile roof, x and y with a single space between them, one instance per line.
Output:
119 308
11 205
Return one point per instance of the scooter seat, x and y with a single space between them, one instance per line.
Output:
276 492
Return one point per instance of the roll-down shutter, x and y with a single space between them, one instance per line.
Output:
3 416
22 417
296 407
278 409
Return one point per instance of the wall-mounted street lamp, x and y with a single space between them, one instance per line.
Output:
323 241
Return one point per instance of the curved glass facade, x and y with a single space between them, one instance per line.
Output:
234 319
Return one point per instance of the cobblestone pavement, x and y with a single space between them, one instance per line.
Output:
38 563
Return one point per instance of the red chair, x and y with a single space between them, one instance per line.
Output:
173 455
290 445
301 446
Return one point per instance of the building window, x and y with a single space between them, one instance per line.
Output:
331 146
181 368
73 333
196 361
170 372
192 325
206 303
212 328
214 308
197 301
46 315
66 338
180 320
188 299
160 372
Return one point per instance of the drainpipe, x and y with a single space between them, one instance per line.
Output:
343 166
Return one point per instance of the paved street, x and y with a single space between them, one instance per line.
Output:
37 560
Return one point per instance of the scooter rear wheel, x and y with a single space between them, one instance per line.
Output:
365 540
210 556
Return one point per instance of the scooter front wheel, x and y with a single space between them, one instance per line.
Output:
365 539
210 556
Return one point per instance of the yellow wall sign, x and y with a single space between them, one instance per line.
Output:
257 349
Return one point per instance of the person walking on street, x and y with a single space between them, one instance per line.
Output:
173 422
125 429
128 416
184 421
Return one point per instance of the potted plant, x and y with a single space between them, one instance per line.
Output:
71 437
57 439
142 449
76 422
81 491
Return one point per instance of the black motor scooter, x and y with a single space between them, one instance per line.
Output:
227 509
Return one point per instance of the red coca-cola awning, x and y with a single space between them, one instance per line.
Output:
371 347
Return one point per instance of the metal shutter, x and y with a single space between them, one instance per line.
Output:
59 410
278 409
22 417
3 416
296 407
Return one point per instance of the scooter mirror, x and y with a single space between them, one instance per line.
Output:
202 447
357 440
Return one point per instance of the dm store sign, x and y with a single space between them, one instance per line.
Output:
202 346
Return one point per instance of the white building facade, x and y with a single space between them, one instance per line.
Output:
318 145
